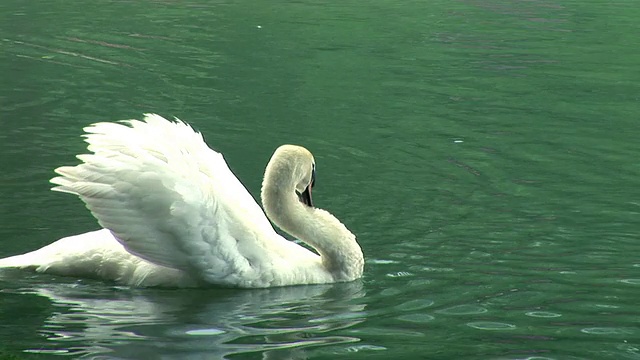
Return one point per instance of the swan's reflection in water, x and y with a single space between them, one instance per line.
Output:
115 322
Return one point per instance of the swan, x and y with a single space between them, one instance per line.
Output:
174 215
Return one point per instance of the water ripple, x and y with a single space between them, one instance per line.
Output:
631 281
415 318
607 331
543 314
360 348
205 332
490 325
400 274
463 310
416 304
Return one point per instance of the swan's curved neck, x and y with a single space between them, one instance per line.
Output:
340 253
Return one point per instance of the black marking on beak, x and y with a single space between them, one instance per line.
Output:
305 196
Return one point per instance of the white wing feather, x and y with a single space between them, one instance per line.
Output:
169 198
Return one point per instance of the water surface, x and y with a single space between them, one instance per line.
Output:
484 152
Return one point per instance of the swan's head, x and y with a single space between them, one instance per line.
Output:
291 167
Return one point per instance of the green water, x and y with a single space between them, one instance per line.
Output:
484 152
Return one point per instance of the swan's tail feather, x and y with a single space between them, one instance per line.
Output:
17 261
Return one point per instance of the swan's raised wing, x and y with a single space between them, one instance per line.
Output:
168 197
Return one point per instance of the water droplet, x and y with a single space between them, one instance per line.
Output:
489 325
463 310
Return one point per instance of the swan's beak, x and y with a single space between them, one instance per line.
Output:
305 196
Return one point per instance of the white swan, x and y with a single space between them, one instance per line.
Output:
174 215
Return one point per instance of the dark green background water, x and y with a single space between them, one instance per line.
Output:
484 152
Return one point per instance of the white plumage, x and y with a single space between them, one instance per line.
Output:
174 214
